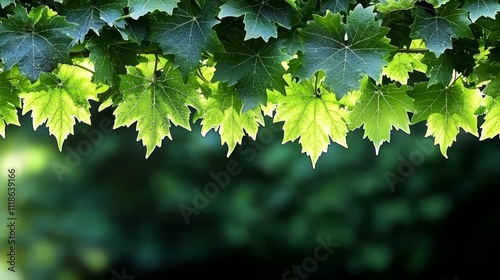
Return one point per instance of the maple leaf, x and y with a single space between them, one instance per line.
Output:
9 102
111 54
478 8
222 111
186 33
36 42
316 119
154 101
5 3
446 110
344 62
94 15
493 87
253 67
139 8
334 6
387 6
402 64
381 108
491 126
438 30
292 42
260 17
59 98
437 3
440 69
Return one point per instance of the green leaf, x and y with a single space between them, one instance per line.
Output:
387 6
186 33
491 126
292 42
438 30
111 54
58 98
402 64
139 8
154 101
437 3
316 119
439 70
222 112
478 8
381 108
9 102
334 6
485 68
36 42
253 66
5 3
94 14
345 63
260 17
493 88
446 110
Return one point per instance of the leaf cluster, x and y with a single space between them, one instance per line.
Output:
322 67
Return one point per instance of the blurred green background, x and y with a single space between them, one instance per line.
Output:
116 210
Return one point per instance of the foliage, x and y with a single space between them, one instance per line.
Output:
322 68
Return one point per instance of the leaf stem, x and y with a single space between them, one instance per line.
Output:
455 78
200 75
156 62
316 84
84 68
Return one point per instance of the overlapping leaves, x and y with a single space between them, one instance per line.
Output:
316 66
9 102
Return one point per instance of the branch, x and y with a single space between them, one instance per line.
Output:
412 50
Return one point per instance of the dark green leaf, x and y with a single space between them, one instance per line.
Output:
438 30
140 7
36 42
344 61
260 17
94 15
186 33
110 54
253 66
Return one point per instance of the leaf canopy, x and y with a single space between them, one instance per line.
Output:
320 67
